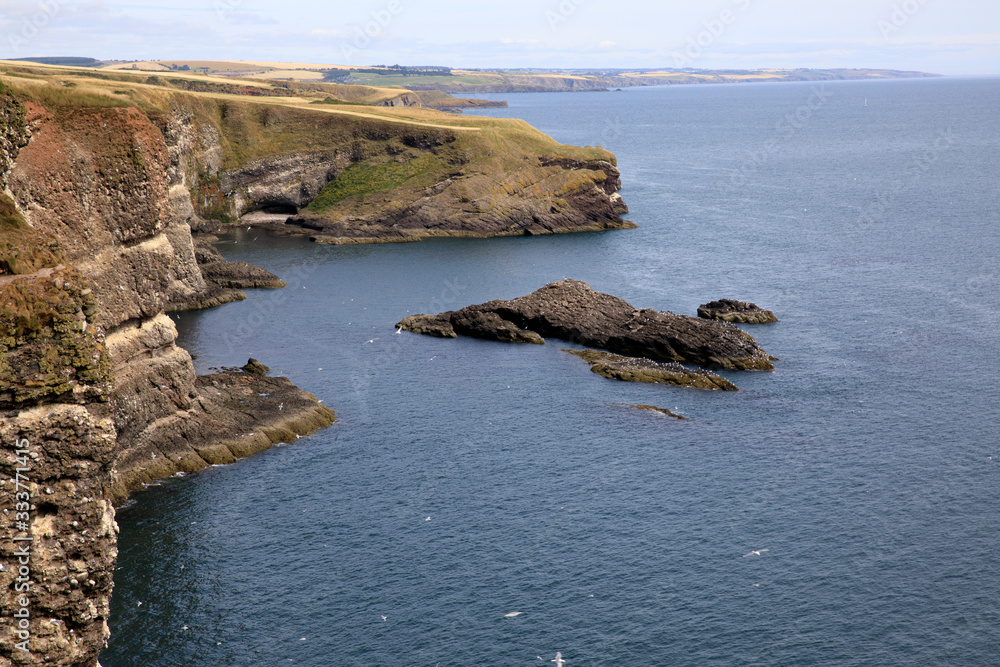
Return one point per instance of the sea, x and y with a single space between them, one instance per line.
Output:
483 503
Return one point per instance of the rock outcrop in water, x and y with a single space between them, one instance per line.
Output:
570 310
741 312
662 411
638 369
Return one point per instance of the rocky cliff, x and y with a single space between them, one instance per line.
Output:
96 397
102 189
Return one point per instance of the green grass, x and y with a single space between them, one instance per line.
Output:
330 100
406 81
364 178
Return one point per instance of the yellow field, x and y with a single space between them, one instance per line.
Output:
293 74
72 85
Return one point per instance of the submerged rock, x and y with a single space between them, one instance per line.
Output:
570 310
728 310
637 369
662 411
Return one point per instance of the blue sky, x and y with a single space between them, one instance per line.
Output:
943 36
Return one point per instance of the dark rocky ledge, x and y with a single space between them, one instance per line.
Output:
224 281
240 275
638 369
728 310
236 412
570 310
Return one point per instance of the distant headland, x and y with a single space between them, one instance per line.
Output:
452 80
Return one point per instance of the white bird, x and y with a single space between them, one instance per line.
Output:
558 660
139 604
513 614
756 553
370 341
384 617
399 330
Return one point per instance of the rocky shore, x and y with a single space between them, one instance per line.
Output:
570 310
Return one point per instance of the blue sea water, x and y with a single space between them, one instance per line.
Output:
468 479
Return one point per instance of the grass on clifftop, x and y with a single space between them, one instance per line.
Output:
364 178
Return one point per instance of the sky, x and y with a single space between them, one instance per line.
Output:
957 37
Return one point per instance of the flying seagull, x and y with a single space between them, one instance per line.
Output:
756 553
559 660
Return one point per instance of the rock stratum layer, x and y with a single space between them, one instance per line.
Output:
570 310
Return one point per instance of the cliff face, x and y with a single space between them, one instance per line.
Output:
355 178
57 533
96 397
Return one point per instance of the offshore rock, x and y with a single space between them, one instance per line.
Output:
637 369
570 310
741 312
240 275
